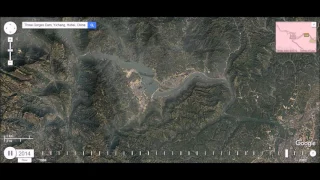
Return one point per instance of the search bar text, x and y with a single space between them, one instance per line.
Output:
59 25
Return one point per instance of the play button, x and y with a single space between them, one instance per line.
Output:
10 153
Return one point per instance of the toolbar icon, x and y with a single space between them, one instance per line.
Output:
92 25
10 153
313 153
10 28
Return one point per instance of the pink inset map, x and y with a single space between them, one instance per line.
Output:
299 37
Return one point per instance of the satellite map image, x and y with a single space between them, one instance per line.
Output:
159 90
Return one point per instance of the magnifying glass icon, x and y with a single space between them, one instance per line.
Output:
92 25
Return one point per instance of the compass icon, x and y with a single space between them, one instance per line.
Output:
10 28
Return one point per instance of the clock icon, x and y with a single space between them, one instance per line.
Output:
10 28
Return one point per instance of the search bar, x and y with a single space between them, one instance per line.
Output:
59 25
